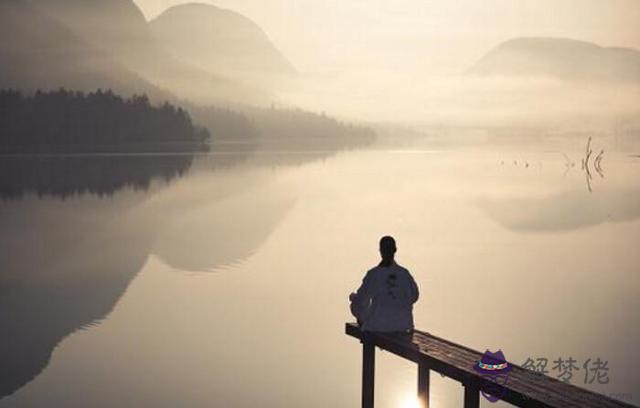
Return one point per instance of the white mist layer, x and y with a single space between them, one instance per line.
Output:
465 100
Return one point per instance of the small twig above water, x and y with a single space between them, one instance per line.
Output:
587 155
588 176
597 163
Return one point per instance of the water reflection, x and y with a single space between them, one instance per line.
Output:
63 267
564 211
69 254
103 175
293 240
589 163
586 164
218 233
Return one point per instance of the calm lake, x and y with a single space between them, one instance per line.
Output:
222 280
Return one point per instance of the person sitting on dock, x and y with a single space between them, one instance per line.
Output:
384 301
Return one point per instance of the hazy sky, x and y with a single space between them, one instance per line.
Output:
434 36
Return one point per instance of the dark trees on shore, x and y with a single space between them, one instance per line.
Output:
101 121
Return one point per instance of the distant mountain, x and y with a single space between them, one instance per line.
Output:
118 28
561 58
220 41
39 52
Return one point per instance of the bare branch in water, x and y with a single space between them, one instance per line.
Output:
597 163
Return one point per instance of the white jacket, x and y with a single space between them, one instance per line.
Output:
384 301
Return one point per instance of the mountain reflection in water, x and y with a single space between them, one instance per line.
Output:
189 270
77 229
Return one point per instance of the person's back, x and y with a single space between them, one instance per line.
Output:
384 301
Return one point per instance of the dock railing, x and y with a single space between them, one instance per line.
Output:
431 353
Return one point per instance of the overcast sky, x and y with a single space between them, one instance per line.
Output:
437 36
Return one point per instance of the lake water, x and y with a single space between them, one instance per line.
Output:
225 283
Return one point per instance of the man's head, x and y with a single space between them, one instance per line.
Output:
387 248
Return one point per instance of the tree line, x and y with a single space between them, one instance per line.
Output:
100 121
294 127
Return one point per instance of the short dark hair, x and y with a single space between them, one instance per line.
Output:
388 240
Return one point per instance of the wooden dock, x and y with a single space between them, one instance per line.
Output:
432 353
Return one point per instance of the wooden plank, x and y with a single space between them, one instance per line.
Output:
457 361
368 373
423 383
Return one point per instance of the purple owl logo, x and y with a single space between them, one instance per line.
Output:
495 369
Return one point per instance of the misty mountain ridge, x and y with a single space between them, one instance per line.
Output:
38 52
118 29
74 45
560 58
221 41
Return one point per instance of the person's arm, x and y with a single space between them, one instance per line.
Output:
364 290
415 292
361 299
